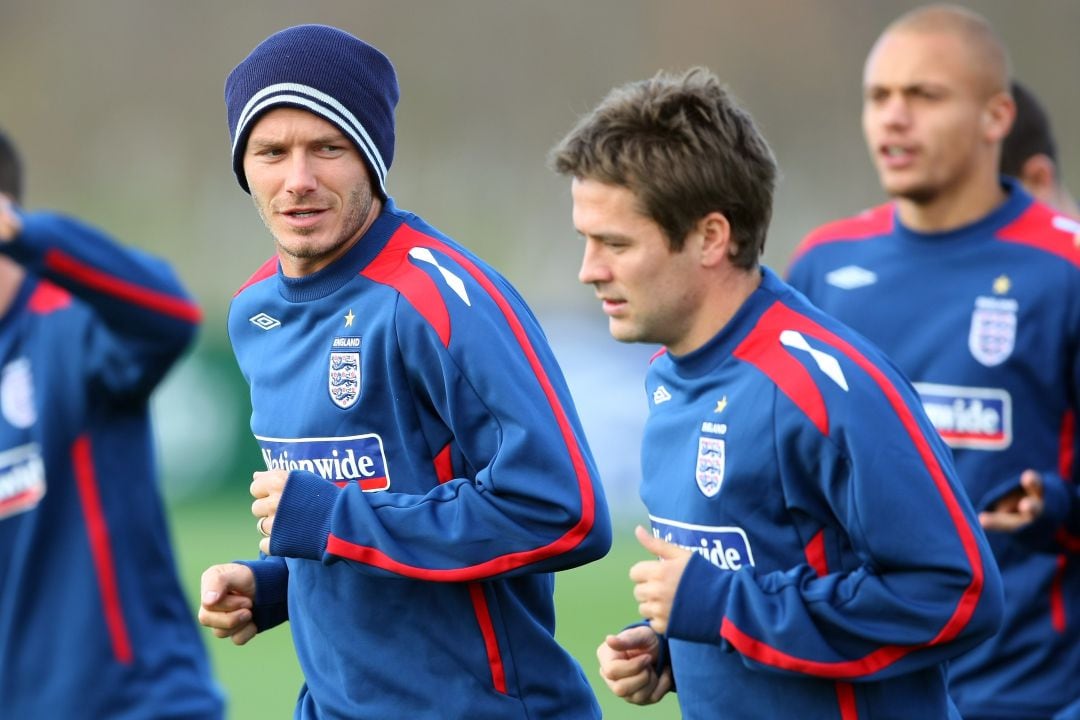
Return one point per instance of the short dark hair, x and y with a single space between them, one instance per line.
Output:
1030 134
685 148
10 169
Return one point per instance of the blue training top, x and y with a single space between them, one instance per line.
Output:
93 623
438 474
837 563
985 319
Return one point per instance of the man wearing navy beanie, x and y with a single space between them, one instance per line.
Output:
426 471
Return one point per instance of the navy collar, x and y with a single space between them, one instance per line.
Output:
1017 200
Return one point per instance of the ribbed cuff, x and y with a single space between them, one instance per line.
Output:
302 522
700 602
271 592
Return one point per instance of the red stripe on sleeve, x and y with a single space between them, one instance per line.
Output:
1066 447
764 351
407 238
392 267
815 556
1071 543
775 320
94 279
1035 228
491 643
845 696
1057 596
100 548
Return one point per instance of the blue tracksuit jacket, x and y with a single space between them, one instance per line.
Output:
93 623
438 475
985 319
838 565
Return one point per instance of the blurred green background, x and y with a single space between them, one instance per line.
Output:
117 106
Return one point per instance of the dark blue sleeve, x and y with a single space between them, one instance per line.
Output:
271 591
146 318
914 582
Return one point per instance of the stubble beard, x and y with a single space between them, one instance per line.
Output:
357 208
921 195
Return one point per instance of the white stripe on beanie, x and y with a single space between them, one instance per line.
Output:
319 103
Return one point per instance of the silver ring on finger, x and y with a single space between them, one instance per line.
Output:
261 529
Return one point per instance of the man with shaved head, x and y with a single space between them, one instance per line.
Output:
973 288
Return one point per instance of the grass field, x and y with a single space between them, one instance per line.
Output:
262 678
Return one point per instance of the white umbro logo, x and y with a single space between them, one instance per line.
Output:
660 395
264 321
851 277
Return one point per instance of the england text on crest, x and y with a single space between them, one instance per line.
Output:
710 465
343 373
993 330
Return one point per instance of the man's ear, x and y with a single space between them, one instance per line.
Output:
717 242
1038 175
998 116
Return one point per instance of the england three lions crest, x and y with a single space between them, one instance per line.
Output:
710 465
343 373
993 330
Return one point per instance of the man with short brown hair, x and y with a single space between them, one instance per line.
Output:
794 578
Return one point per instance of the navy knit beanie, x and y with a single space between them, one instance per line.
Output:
325 71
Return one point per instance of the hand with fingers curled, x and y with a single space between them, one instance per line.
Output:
266 488
1017 509
227 595
628 665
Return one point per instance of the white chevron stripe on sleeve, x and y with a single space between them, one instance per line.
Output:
424 255
825 362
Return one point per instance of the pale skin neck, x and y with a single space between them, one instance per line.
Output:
719 303
297 267
955 207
